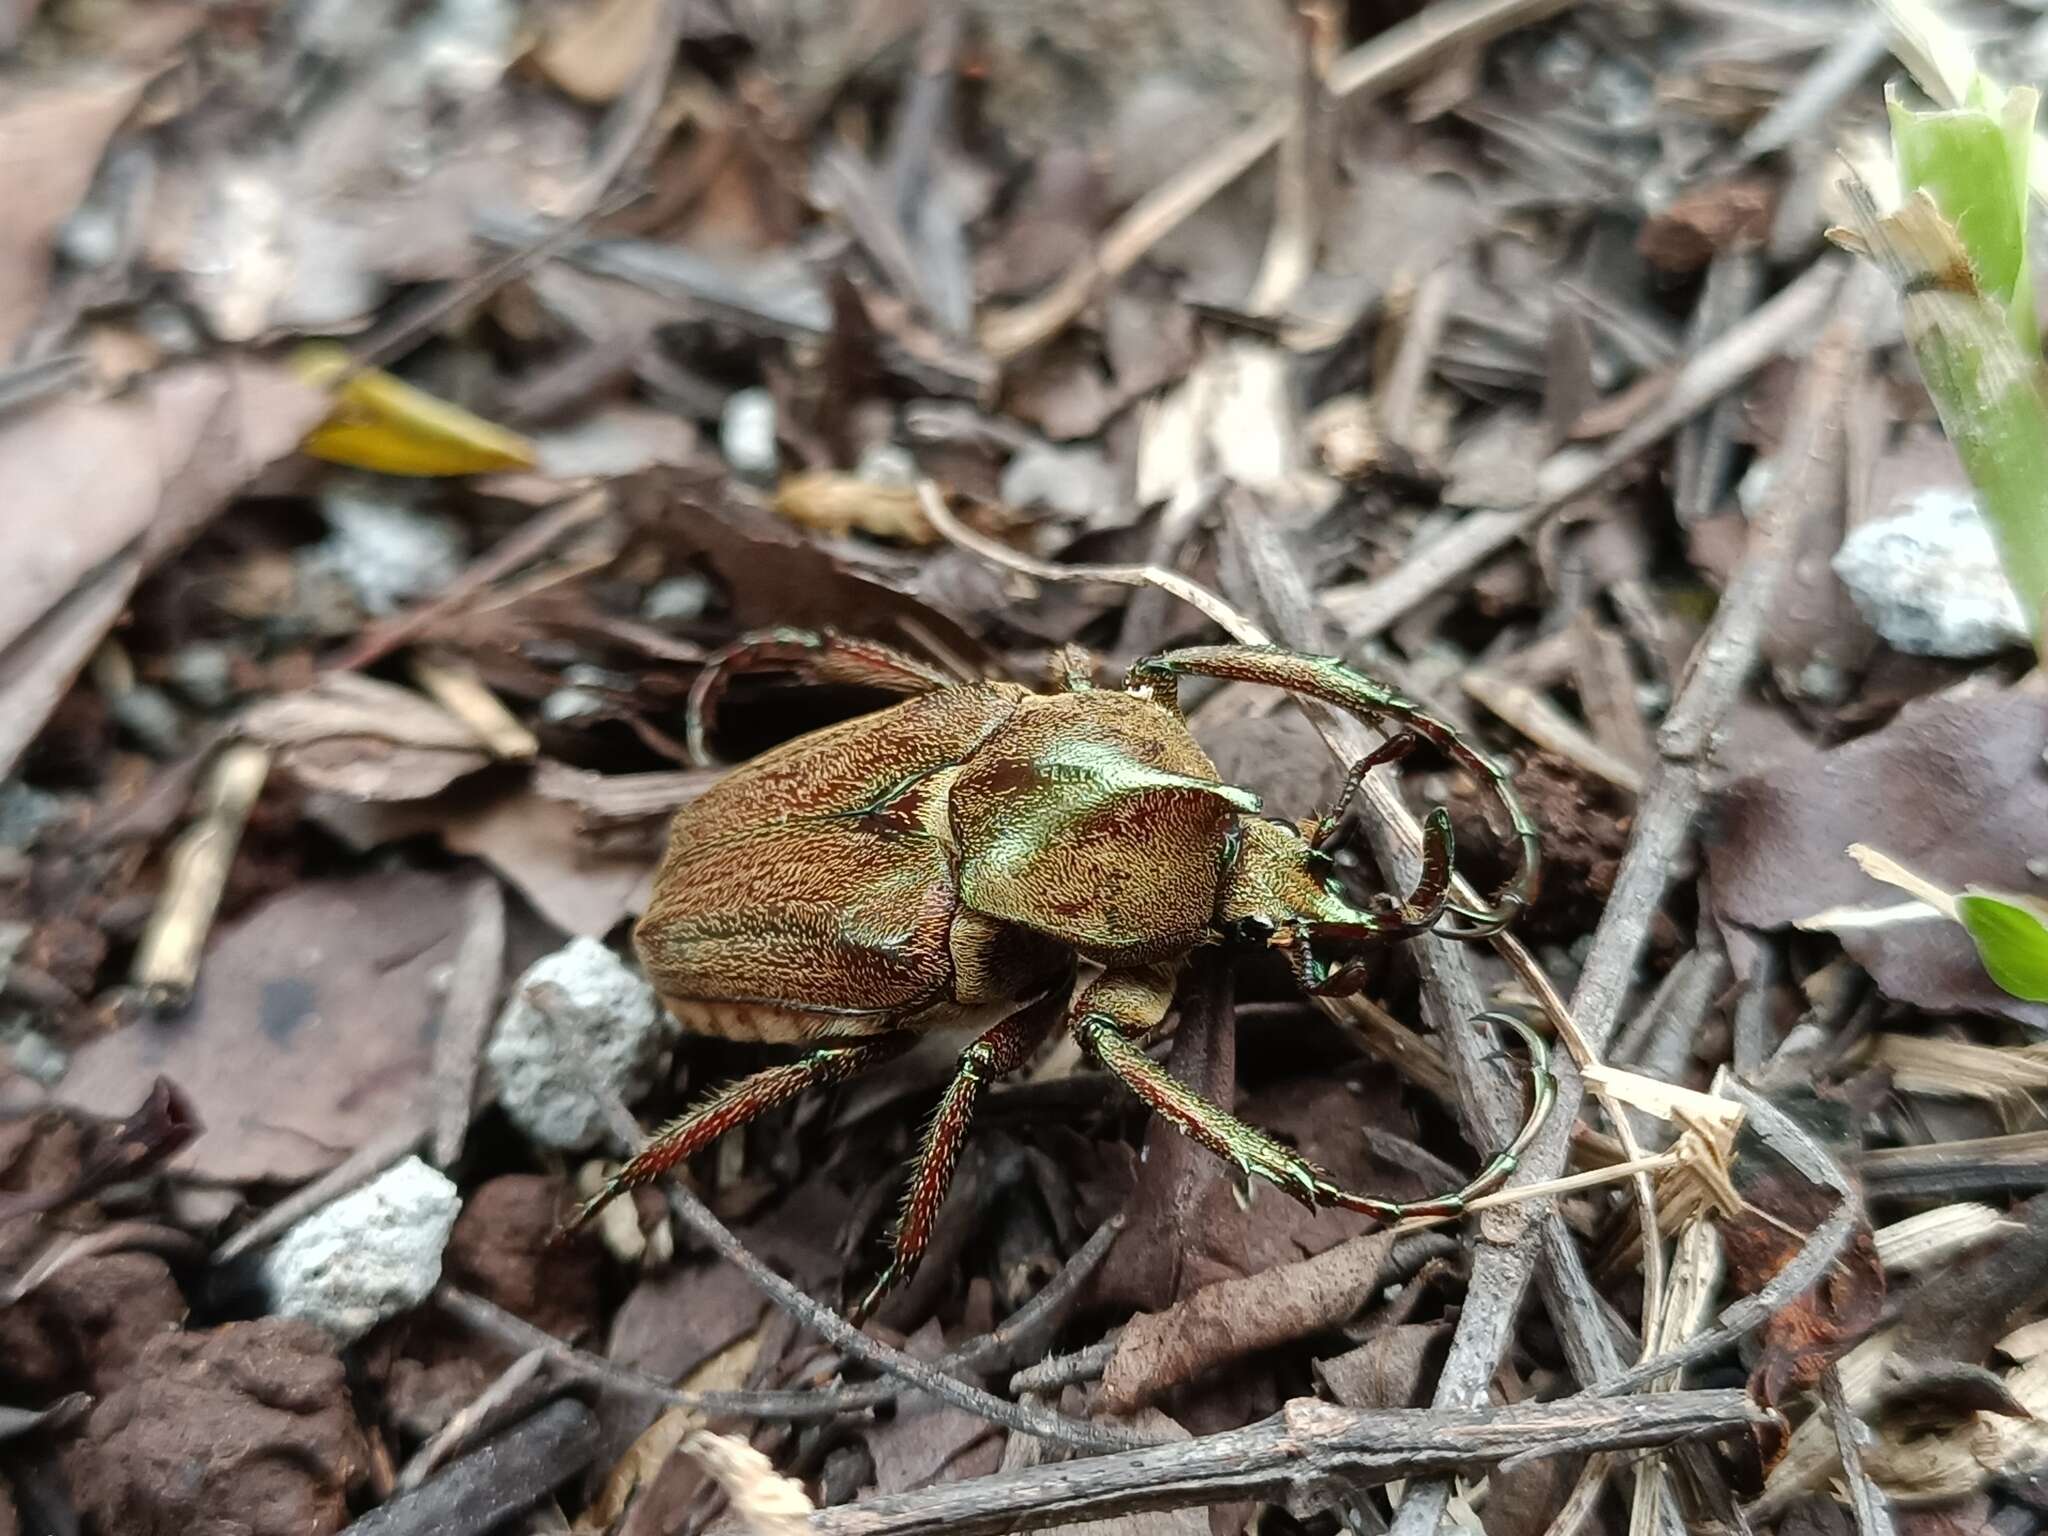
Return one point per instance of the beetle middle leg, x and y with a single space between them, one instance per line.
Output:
824 654
734 1105
998 1052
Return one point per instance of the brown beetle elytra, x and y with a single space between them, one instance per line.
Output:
950 859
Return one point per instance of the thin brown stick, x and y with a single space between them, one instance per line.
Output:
1304 1451
1536 717
529 543
1389 60
1016 1334
1726 655
1866 1502
455 686
166 964
515 1390
467 1009
1367 608
836 1330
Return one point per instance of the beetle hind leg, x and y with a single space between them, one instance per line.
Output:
823 654
999 1051
732 1107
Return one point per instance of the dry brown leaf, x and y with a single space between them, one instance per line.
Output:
1389 1370
643 1459
311 1029
1234 1318
99 491
364 739
86 479
537 844
1806 1334
927 1441
1954 787
51 138
767 1503
35 672
835 503
594 49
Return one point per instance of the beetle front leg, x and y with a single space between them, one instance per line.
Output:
823 654
998 1052
1111 1023
733 1106
1331 681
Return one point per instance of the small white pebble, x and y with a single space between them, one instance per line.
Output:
603 1032
1929 579
746 434
369 1255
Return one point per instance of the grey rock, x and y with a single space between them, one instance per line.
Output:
368 1256
887 464
385 551
147 714
746 434
678 600
24 812
566 704
603 1031
205 674
1074 482
36 1055
1929 581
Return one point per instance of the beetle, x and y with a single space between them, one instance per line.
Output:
952 859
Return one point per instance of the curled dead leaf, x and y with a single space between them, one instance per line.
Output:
767 1503
1802 1338
366 740
1234 1318
834 503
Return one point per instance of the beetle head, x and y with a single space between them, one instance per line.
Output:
1280 890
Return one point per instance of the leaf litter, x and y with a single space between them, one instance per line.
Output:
411 409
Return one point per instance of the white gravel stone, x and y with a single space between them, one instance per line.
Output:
386 551
746 433
1928 579
369 1255
607 1032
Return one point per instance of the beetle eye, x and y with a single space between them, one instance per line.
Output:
1256 929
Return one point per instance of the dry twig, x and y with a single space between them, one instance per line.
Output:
1301 1452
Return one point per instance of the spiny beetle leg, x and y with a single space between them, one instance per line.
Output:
1328 679
823 654
733 1106
1114 1015
1542 1093
999 1051
1392 750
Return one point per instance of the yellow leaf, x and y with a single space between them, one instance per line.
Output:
382 423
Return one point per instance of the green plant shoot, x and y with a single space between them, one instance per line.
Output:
1957 251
